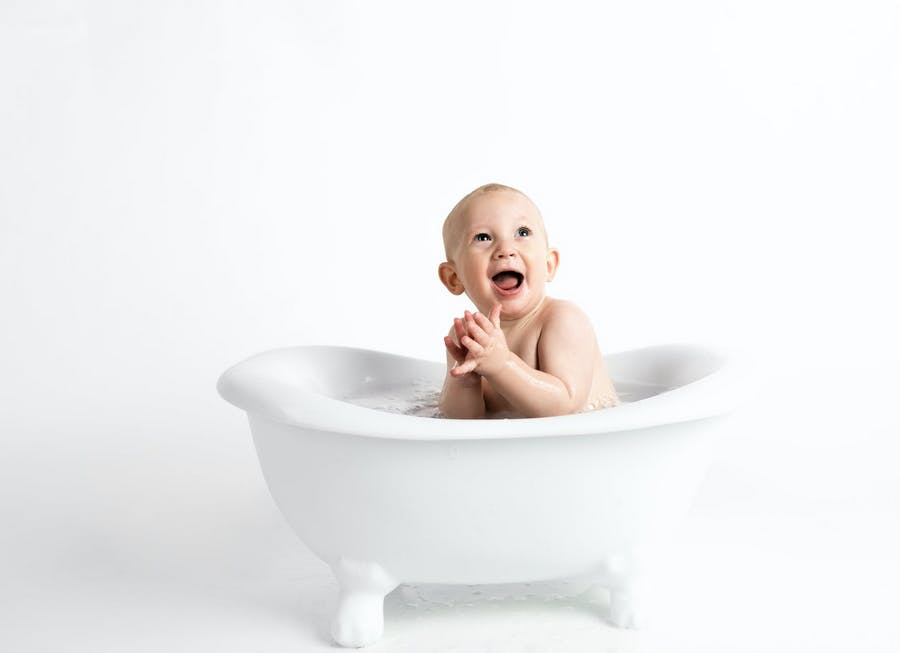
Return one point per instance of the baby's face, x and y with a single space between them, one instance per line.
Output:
499 253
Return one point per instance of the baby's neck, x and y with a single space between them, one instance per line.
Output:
523 320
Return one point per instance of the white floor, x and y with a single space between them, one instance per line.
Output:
161 536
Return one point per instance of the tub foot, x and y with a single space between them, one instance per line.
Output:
625 582
622 610
359 617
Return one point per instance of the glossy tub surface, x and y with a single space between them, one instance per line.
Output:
386 498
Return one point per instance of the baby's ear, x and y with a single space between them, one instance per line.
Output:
450 279
552 263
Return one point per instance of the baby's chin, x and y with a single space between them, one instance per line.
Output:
514 308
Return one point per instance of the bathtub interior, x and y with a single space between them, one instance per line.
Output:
339 371
666 367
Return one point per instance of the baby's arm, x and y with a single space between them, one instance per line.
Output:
462 396
566 349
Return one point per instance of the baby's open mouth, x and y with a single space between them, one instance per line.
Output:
508 280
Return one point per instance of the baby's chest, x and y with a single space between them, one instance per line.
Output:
525 347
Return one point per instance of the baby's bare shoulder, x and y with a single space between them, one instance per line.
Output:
562 311
567 347
564 320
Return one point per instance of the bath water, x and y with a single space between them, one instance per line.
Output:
421 398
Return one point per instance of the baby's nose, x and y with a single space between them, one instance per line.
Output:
504 251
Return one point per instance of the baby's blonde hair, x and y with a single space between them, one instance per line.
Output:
481 190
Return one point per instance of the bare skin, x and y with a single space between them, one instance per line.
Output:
522 354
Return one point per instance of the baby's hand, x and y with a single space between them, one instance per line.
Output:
485 343
459 353
456 352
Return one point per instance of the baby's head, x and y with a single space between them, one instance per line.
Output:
497 251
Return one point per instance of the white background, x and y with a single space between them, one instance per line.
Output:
185 184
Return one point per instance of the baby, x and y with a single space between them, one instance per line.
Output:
522 354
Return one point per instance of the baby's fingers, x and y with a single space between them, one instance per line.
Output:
463 368
495 315
457 352
475 331
486 325
474 348
459 328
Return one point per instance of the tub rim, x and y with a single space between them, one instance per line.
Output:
714 394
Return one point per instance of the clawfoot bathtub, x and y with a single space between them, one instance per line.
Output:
386 498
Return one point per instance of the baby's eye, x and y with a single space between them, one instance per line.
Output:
523 231
483 237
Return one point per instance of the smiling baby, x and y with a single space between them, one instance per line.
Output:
522 353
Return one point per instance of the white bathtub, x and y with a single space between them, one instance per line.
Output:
386 499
